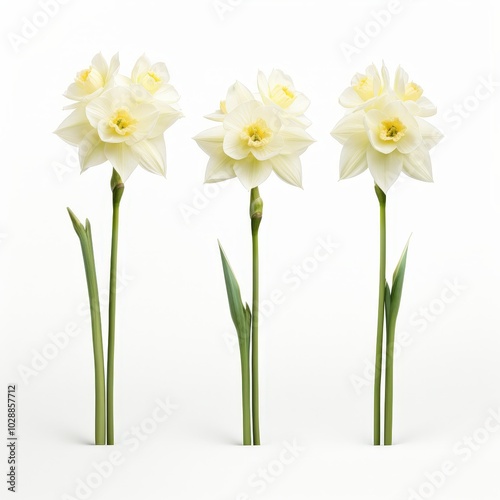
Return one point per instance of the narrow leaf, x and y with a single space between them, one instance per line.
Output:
239 313
397 284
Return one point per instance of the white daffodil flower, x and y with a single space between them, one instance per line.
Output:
154 78
279 91
92 81
411 94
251 143
365 87
386 139
236 94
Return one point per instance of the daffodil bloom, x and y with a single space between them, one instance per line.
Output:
385 132
251 143
252 140
120 120
365 87
279 91
92 81
387 139
411 94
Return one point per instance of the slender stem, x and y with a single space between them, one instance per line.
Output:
245 385
380 322
389 377
256 217
85 237
117 189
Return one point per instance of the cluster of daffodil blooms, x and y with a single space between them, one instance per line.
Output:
122 119
255 138
385 131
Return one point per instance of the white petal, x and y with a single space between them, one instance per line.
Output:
288 168
350 98
216 116
168 116
211 140
418 164
427 108
75 127
252 172
241 116
91 151
219 168
237 94
269 114
385 168
351 124
297 140
278 77
114 65
353 156
99 109
100 64
272 148
400 81
147 116
263 87
430 134
234 146
121 158
141 66
299 105
151 155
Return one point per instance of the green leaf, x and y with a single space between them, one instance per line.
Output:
387 302
397 285
240 313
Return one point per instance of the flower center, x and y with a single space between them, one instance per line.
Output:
364 87
392 130
257 134
89 78
122 122
413 91
282 95
151 81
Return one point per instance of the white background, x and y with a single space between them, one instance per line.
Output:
175 337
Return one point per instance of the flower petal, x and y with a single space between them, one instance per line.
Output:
91 151
234 146
418 165
219 168
430 134
237 94
252 172
121 158
288 168
241 116
351 124
427 108
372 121
353 156
74 127
141 66
210 140
350 98
385 168
296 140
151 155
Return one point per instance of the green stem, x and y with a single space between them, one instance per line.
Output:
256 206
245 385
117 190
85 237
380 322
389 377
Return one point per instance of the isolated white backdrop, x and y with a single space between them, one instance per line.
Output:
175 337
